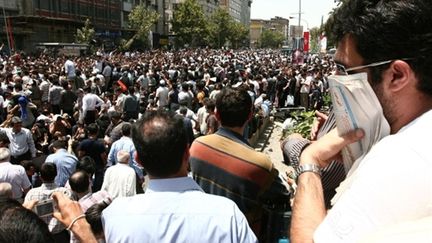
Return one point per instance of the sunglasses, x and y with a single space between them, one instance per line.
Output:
342 70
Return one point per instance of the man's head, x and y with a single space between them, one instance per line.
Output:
16 124
79 182
58 144
4 155
126 129
123 157
371 31
233 107
92 129
6 190
161 144
48 172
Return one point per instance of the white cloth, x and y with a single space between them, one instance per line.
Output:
393 184
90 102
20 142
162 96
16 176
175 210
70 69
120 181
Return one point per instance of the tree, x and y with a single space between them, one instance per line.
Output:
190 25
220 25
141 20
86 34
238 34
271 39
315 34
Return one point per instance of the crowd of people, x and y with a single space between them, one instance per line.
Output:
154 146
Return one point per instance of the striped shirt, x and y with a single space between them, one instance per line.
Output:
224 164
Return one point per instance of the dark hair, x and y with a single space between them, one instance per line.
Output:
93 129
48 171
160 141
18 224
126 129
79 181
94 217
386 30
87 164
59 144
234 107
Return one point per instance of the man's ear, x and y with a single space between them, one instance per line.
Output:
401 75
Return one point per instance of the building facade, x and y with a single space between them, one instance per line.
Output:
240 10
257 26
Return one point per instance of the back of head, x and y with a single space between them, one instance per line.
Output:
18 224
123 157
4 154
93 129
388 30
160 141
48 172
59 144
6 190
94 217
79 182
86 164
126 129
234 107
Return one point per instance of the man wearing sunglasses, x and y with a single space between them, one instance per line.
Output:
390 41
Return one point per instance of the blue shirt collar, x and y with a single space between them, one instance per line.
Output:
178 184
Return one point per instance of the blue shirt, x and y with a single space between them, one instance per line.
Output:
175 210
66 165
125 144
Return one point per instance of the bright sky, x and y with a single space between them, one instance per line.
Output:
312 10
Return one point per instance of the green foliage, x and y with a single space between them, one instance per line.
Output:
220 25
303 126
271 39
85 34
141 20
190 25
315 34
238 34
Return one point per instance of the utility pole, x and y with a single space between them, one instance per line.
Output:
6 27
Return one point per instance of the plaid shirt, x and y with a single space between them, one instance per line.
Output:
44 192
92 198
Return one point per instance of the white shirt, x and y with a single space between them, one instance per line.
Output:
20 142
90 102
120 181
393 184
175 210
16 176
162 95
70 69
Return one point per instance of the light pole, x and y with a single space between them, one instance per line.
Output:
6 28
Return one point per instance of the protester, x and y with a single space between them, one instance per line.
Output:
381 39
174 208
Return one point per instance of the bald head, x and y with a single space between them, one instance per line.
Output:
6 190
123 157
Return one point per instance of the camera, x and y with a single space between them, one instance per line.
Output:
44 208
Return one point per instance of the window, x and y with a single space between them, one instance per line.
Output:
64 6
44 4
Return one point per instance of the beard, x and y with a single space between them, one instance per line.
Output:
387 103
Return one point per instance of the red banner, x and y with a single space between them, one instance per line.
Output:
306 41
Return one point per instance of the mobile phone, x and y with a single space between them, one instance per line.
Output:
44 208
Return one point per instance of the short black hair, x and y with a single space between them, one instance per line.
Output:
86 164
18 224
126 129
160 141
79 181
48 171
233 106
93 129
59 144
388 30
94 217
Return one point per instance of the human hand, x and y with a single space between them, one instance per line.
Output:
326 148
30 204
317 124
68 210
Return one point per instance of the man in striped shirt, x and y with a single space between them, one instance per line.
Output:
225 164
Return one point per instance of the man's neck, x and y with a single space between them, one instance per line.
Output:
81 195
238 130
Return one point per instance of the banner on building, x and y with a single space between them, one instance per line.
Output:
306 41
323 43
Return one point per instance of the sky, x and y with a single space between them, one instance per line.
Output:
312 10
